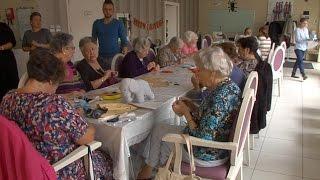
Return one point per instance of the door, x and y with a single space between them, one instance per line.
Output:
81 15
172 21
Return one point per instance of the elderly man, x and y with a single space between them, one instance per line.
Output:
171 53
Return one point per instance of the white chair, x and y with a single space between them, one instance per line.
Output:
276 63
204 44
117 61
209 39
271 52
284 45
238 141
251 83
80 152
23 80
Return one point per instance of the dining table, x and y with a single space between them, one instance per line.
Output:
117 137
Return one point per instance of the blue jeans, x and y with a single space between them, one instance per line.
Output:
299 62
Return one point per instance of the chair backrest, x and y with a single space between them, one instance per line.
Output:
209 39
251 83
284 45
21 159
129 46
271 52
204 44
242 127
277 59
152 55
117 61
23 80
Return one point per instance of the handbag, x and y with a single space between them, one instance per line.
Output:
164 173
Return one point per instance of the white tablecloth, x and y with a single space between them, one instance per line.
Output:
117 137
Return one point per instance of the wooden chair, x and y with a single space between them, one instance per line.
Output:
209 39
117 61
204 44
276 63
17 136
239 139
251 83
271 52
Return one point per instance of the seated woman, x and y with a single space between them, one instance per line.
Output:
62 47
264 42
135 62
93 70
211 121
171 53
190 43
237 75
48 120
248 54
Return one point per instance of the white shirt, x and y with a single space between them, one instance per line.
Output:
302 36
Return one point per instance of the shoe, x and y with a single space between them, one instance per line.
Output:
294 76
305 77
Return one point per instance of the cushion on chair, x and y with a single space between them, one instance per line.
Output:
216 173
278 60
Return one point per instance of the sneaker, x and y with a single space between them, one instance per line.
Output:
305 77
294 76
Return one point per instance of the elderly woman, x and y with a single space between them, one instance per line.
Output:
248 54
62 47
93 70
211 121
136 63
171 53
190 43
48 120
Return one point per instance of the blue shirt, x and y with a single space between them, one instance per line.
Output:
108 35
215 118
302 36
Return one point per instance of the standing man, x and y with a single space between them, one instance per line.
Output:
302 37
37 37
108 30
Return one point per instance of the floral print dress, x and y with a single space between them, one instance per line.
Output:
215 118
53 127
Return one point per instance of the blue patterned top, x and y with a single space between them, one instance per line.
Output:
216 114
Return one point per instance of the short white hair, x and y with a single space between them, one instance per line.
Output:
189 36
215 60
140 44
176 42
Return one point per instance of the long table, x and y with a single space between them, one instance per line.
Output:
117 137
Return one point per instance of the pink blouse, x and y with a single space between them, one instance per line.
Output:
187 50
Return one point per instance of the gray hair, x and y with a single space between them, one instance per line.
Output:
215 60
59 41
85 41
176 42
189 36
140 44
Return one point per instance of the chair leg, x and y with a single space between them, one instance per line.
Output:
279 86
247 150
240 174
251 141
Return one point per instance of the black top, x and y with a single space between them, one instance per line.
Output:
89 74
132 66
8 67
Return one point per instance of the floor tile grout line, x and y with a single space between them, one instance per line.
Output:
279 173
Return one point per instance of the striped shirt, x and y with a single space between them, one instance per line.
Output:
264 46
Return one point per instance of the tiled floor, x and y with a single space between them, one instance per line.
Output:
289 147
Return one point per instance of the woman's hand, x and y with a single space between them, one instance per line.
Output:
151 65
110 73
180 108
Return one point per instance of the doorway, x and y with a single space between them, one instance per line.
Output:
172 21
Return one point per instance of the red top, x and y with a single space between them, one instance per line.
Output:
18 158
